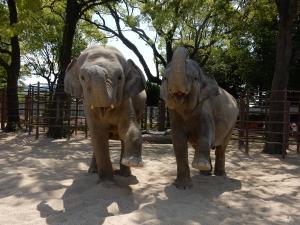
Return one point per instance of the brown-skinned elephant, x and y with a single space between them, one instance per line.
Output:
201 113
113 91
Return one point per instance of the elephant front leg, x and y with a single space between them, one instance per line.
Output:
202 160
183 180
132 138
124 171
101 152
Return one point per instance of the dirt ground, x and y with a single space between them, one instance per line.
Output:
45 181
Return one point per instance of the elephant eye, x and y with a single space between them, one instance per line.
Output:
195 78
82 78
120 77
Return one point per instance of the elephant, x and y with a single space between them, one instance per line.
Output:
113 91
201 113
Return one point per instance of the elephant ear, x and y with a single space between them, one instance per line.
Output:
209 89
208 85
72 84
134 80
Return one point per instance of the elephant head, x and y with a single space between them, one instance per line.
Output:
103 78
184 84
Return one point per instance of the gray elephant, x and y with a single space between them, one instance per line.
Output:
201 113
113 91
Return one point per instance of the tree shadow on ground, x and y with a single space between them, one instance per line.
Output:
85 202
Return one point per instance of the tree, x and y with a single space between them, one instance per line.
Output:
74 11
12 68
287 10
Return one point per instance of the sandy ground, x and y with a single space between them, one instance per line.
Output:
45 182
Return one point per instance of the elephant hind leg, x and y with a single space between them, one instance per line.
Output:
220 157
220 161
124 171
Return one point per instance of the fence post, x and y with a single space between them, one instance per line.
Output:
144 119
76 115
37 112
151 117
31 114
286 124
247 123
3 106
69 103
241 122
161 115
298 127
26 110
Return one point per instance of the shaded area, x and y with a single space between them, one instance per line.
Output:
45 182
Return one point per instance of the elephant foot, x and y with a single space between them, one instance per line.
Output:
124 171
183 184
202 164
220 173
132 161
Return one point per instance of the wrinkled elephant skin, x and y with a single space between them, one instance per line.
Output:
114 96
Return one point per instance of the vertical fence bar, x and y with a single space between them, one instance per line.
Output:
284 130
146 118
76 115
3 106
69 105
26 110
151 117
241 122
37 111
85 128
247 123
298 128
161 120
31 119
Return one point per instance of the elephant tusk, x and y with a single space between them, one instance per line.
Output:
112 106
92 107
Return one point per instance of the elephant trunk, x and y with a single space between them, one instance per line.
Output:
104 94
178 81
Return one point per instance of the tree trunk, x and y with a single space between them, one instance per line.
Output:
274 141
13 118
56 129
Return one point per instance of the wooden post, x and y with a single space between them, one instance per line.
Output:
298 128
37 111
85 128
26 112
151 117
69 116
247 123
241 122
286 124
161 115
76 115
144 119
3 107
31 121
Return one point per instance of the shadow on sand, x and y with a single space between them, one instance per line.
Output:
85 202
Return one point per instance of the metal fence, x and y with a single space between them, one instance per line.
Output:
255 116
36 111
35 114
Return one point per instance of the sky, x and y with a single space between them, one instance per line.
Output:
128 54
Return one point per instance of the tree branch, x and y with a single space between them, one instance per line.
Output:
4 64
